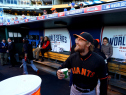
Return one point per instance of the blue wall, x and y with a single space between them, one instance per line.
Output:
95 32
35 32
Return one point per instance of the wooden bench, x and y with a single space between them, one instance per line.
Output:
117 68
122 70
113 68
55 56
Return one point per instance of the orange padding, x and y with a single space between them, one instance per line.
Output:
37 92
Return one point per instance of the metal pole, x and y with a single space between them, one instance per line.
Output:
52 2
6 33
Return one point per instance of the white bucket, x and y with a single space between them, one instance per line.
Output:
21 85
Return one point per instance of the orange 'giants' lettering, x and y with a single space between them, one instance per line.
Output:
84 72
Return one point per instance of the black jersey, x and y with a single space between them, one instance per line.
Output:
86 69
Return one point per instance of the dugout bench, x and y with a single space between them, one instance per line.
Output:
57 56
117 68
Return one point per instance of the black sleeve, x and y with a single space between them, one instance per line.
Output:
103 87
25 48
6 46
0 45
29 48
103 55
102 70
66 64
11 47
103 75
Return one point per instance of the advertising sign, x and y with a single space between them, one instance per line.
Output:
16 22
60 39
33 19
92 9
40 17
72 12
117 38
61 14
52 15
114 5
21 21
26 20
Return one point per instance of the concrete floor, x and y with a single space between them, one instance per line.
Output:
51 85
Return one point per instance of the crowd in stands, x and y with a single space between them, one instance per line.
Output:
11 18
18 18
72 8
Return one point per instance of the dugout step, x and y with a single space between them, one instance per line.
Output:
50 64
118 85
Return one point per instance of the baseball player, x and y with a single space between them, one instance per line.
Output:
87 67
28 56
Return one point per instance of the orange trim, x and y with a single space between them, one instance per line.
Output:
87 57
81 59
80 37
53 9
55 12
37 92
103 78
81 33
97 40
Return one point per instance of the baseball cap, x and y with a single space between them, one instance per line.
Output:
81 5
96 42
44 10
52 9
85 36
72 4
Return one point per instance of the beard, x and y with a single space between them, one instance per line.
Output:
79 49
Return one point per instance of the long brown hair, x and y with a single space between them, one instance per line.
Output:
47 38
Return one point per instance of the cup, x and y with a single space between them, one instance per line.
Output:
39 46
65 71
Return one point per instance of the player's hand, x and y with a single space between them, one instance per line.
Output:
2 46
60 74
